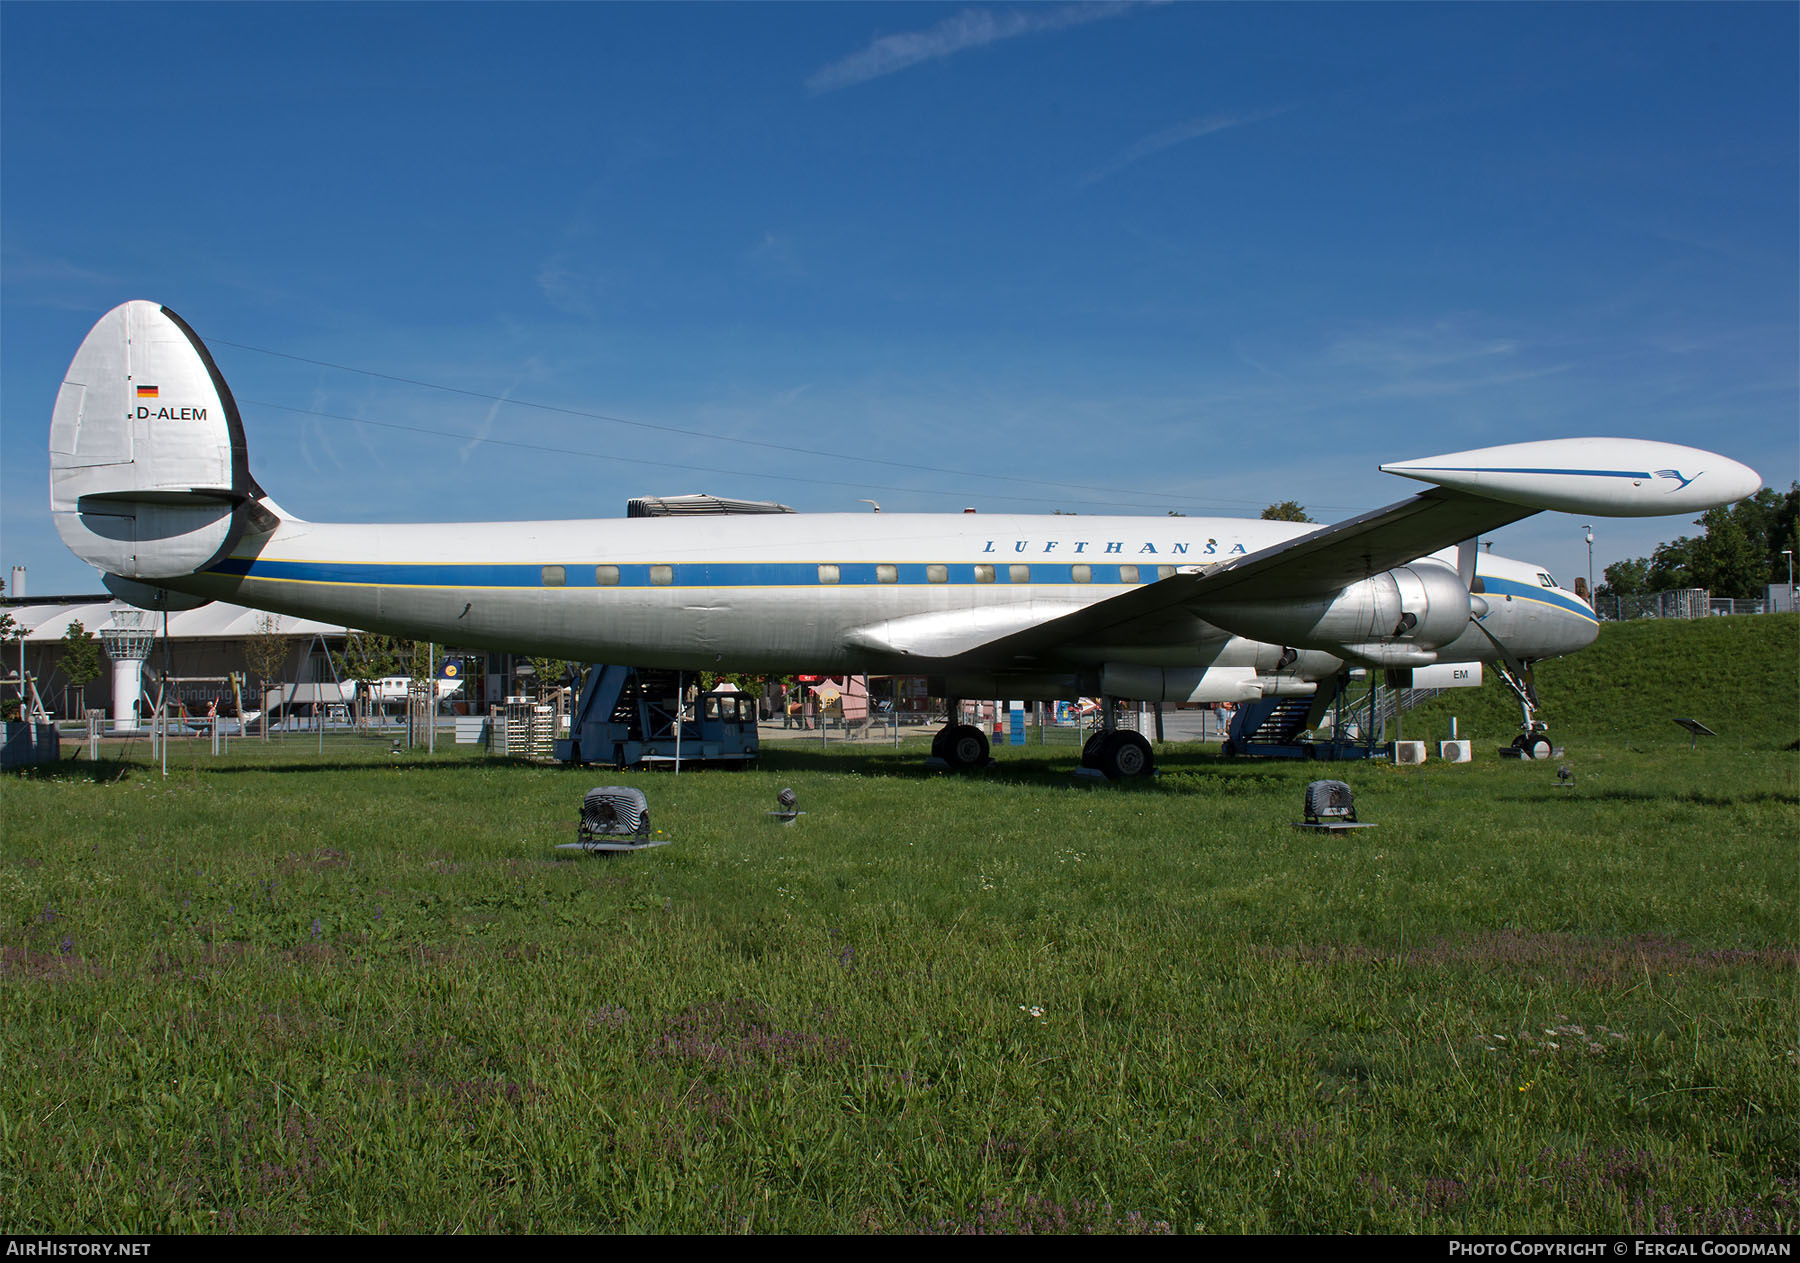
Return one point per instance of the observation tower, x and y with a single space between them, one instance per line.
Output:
127 639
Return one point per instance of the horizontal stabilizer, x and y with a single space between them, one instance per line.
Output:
149 597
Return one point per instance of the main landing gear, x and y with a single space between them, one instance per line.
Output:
1115 753
1118 755
960 746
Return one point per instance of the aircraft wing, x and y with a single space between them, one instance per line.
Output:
1320 561
1356 548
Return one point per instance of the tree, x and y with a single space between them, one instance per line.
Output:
12 633
548 675
1286 511
368 657
421 659
1737 556
1671 566
265 654
1725 561
80 655
1624 580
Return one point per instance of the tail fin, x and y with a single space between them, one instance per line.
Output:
148 474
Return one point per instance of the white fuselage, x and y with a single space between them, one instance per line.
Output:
790 593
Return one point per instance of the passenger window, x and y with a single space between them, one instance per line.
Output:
1128 574
937 574
1165 572
606 576
984 574
885 573
662 576
554 576
1081 574
828 574
1019 574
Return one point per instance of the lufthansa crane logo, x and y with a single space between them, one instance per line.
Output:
1676 475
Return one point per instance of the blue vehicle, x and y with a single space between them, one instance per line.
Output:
635 718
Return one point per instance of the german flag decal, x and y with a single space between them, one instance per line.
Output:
146 392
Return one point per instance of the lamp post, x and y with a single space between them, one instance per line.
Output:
1789 554
1588 527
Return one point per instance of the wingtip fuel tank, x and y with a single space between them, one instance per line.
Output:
1605 476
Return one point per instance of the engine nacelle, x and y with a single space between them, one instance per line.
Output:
1243 670
1399 617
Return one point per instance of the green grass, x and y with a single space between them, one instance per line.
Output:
1739 676
275 994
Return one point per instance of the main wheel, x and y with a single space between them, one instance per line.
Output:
1537 746
967 747
1123 755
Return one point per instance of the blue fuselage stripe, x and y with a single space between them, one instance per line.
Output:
1572 473
1526 591
735 575
681 574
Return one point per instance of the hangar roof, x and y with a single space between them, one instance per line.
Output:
48 620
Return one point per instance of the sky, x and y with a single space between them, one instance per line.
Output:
479 262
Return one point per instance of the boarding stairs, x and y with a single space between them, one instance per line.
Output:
1344 727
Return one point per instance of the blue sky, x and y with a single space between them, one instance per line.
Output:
1095 258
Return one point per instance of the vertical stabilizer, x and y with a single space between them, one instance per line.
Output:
148 473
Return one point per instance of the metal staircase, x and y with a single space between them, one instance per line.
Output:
1270 728
1344 727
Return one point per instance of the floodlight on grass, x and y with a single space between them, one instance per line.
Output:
788 803
614 818
1330 806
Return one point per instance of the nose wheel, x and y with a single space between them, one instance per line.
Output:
1533 746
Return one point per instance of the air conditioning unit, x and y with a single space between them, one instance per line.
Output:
1456 751
1409 751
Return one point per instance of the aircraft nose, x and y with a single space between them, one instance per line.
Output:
1580 632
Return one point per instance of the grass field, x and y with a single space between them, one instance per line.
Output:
272 993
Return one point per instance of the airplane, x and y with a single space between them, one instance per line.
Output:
150 482
398 688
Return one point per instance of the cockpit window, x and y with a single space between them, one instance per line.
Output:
1546 580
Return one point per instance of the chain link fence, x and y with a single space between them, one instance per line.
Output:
1689 603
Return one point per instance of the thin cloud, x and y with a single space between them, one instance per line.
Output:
487 425
1179 134
972 28
565 288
